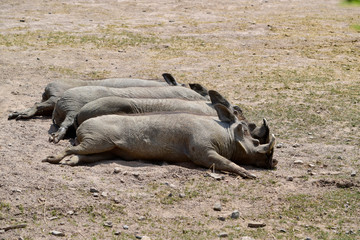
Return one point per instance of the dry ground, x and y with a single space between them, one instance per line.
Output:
294 62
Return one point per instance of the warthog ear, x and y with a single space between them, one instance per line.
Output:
239 136
170 79
216 97
200 89
224 114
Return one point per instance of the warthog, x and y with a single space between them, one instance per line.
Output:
119 105
68 106
53 91
177 137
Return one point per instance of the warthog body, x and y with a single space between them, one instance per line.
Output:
178 137
53 91
68 106
119 105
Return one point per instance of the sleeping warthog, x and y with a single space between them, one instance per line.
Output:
53 91
119 105
68 106
177 137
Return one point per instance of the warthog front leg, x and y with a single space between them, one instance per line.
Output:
58 135
213 159
89 150
38 108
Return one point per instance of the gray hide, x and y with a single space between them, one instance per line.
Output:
53 91
68 106
118 105
206 141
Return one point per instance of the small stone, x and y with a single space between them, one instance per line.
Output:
138 236
116 200
340 158
125 227
104 194
170 195
282 230
256 225
247 238
311 165
296 145
221 218
145 238
223 234
108 224
141 218
289 178
182 195
57 233
117 233
279 145
353 173
307 238
52 218
70 212
235 214
2 230
93 190
117 170
22 20
217 206
96 194
298 162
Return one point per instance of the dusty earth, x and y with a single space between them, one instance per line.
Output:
294 62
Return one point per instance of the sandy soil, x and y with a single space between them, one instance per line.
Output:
221 44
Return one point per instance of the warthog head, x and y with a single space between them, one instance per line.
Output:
248 150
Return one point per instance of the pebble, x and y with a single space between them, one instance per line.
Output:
311 165
223 234
282 230
217 206
96 194
296 145
256 225
138 236
93 190
290 178
298 162
141 218
2 230
104 194
145 238
247 238
353 173
117 233
221 218
70 212
307 238
280 145
126 227
235 214
108 224
182 195
57 233
117 170
116 200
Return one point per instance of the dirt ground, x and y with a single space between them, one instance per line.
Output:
294 62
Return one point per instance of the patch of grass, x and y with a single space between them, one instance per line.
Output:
107 38
356 27
351 2
5 206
